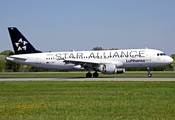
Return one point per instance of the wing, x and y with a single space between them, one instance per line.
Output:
91 64
84 64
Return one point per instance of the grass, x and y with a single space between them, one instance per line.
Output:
87 100
83 74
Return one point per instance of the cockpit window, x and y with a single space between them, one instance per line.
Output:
161 54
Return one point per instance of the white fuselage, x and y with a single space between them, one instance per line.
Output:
131 58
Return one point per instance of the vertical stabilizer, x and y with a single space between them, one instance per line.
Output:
20 44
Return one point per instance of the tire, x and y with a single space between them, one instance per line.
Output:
150 75
88 75
95 74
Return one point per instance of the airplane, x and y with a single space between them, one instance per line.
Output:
104 61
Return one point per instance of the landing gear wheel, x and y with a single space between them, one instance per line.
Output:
88 75
95 74
150 75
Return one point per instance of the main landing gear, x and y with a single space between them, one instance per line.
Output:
95 74
149 74
88 75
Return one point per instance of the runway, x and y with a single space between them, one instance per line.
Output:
87 79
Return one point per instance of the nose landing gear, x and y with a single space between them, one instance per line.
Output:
149 74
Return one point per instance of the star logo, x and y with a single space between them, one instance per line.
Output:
21 45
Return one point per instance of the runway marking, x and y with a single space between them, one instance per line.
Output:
87 79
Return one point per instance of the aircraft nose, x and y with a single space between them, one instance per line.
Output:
170 60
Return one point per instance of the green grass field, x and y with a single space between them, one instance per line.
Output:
83 74
108 100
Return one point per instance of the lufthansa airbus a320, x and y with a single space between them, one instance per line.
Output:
104 61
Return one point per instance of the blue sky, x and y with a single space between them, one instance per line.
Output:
63 25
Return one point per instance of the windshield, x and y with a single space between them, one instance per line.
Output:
161 54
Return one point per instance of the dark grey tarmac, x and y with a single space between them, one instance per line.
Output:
87 79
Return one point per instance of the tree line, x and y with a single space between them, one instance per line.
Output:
7 66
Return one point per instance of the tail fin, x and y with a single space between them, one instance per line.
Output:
20 44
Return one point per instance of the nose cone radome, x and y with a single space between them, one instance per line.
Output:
170 60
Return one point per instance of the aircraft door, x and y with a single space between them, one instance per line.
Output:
148 55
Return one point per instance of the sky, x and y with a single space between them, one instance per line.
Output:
80 25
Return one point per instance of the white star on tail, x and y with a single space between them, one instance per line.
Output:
21 45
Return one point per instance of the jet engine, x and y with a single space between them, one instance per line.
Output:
111 69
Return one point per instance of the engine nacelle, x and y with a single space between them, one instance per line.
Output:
111 69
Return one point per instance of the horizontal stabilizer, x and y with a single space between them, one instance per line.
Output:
22 58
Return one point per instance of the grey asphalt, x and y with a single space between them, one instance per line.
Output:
87 79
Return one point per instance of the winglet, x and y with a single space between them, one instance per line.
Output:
20 44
